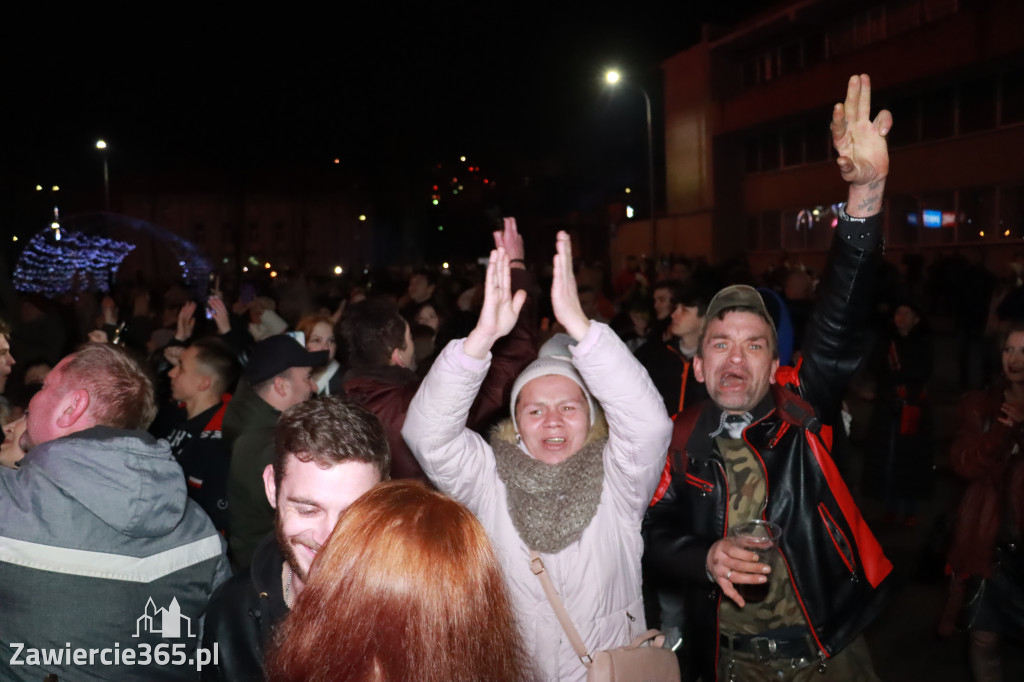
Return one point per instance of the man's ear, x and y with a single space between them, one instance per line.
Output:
72 408
396 358
281 386
269 485
698 368
205 381
775 368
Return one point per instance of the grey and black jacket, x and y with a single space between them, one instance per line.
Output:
101 548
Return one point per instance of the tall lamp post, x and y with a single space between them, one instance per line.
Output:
102 146
613 77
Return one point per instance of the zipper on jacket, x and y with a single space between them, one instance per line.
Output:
835 533
717 593
705 486
789 574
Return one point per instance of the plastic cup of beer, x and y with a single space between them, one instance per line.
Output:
762 538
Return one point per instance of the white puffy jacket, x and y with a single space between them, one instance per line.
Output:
598 576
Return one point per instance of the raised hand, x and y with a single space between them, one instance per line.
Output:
220 314
336 315
109 311
863 154
510 239
186 321
500 309
565 298
173 354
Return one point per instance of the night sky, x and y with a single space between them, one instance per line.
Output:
389 91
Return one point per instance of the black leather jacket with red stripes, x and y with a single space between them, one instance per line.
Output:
835 564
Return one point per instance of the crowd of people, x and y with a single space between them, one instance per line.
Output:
458 482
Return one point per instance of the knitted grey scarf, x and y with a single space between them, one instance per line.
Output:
551 504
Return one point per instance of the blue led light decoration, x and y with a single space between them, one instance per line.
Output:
84 253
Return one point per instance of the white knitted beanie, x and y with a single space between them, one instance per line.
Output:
554 358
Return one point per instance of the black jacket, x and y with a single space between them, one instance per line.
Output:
834 562
671 373
242 615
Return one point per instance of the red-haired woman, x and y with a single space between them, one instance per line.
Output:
411 590
319 332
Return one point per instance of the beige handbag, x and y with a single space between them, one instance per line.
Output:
642 660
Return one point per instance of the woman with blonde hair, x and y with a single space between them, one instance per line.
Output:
407 588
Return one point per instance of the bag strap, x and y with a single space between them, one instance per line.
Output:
537 566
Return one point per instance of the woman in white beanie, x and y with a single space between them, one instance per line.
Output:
556 478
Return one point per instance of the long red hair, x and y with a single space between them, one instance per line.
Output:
407 588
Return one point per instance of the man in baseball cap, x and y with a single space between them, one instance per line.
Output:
277 377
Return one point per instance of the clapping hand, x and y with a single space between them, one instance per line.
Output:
565 298
500 309
510 239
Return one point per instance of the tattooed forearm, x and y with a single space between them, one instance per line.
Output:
870 203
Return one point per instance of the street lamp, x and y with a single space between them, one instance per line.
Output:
613 77
102 146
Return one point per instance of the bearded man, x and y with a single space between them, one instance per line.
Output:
328 452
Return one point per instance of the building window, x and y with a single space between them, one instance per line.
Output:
1011 211
938 218
937 114
977 214
752 155
977 105
769 151
754 233
1012 97
771 233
